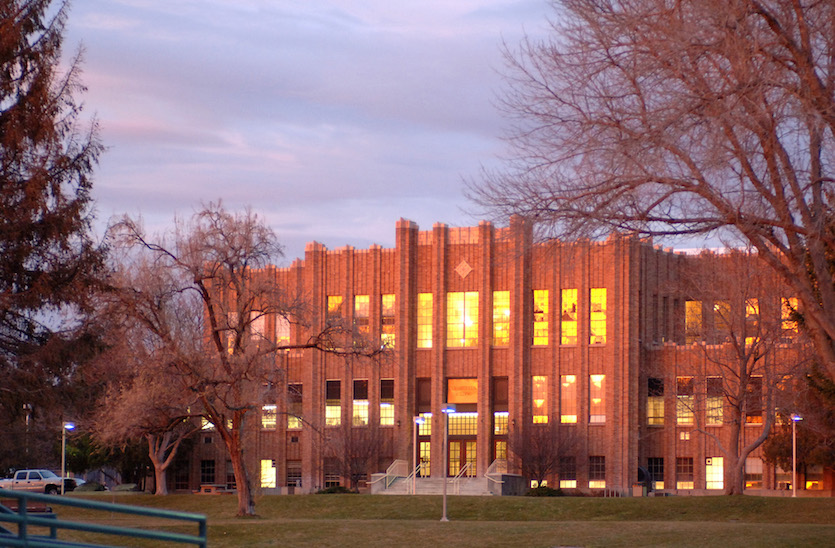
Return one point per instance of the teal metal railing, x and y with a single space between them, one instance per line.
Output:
24 520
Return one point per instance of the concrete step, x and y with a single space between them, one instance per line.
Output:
435 486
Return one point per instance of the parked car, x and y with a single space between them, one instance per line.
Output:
40 481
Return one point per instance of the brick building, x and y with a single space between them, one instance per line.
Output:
596 339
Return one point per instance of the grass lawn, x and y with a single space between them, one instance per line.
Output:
368 521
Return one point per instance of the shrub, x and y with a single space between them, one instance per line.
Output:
125 487
545 491
90 486
335 490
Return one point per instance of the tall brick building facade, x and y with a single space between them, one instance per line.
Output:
590 338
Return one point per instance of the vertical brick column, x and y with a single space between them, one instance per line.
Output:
484 448
405 335
519 386
313 398
438 367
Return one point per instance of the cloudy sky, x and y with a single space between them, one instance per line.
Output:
332 119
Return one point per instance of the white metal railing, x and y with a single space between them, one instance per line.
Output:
411 484
463 472
397 469
496 468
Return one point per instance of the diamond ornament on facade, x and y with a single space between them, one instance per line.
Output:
463 269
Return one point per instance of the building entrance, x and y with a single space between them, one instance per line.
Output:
462 453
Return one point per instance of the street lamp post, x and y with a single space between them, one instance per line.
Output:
447 409
417 422
795 417
66 426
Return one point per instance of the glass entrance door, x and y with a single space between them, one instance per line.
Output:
462 453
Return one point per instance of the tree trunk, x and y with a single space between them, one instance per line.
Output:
246 502
160 476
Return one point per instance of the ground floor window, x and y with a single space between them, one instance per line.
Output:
267 473
714 473
425 456
294 473
568 473
230 476
181 475
814 476
655 467
207 471
684 472
597 472
753 473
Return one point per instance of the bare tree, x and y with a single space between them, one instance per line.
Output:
356 450
678 119
743 363
217 350
541 447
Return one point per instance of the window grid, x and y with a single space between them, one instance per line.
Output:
597 472
568 472
501 318
685 413
462 319
539 398
388 311
424 320
568 317
597 315
597 403
540 317
568 399
684 472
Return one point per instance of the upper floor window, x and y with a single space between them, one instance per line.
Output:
334 307
282 331
752 321
568 399
693 322
715 401
333 403
424 320
754 400
360 403
540 317
597 317
685 413
788 311
386 402
722 321
462 319
361 314
568 317
268 416
655 401
501 318
387 312
597 402
539 398
294 406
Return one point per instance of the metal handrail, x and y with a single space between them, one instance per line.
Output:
24 519
456 481
496 468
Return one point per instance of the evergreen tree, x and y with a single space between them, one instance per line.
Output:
48 260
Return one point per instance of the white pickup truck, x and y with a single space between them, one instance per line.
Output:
41 481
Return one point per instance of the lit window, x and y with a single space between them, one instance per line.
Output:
282 331
425 429
360 403
715 401
722 321
500 422
568 399
388 311
463 424
684 472
267 473
814 477
424 320
386 402
597 317
752 321
597 404
753 473
539 397
568 472
684 401
361 314
500 450
597 472
462 319
333 403
540 317
714 473
425 458
568 317
501 318
268 416
692 322
206 424
334 307
788 312
294 406
655 401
